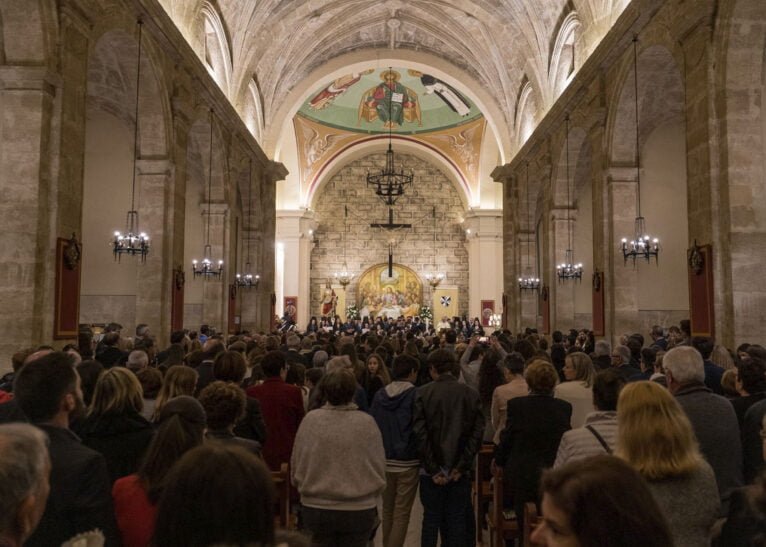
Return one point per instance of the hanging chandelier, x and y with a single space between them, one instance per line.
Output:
205 269
247 280
528 281
641 245
568 269
134 241
343 277
389 184
434 277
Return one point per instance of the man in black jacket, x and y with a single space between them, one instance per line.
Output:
48 392
448 427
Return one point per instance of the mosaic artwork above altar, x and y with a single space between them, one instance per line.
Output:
379 295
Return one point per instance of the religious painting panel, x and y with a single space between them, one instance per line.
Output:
381 295
487 310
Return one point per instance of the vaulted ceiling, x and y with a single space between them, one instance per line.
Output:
499 44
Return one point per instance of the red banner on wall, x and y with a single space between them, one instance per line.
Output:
68 267
487 310
701 310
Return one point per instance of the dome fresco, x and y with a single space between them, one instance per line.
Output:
402 100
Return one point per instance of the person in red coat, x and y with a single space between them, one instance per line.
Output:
282 409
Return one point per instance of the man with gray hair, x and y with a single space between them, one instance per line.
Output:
138 360
712 417
24 473
621 361
602 355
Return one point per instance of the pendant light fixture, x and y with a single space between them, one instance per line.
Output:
568 269
528 281
133 242
344 276
434 278
205 269
641 245
246 279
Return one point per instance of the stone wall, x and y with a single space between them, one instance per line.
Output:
366 246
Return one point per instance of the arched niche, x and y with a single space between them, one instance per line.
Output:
661 295
214 46
527 106
109 288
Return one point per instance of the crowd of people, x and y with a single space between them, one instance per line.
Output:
648 442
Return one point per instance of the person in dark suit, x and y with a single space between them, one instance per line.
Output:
533 430
48 392
282 408
110 354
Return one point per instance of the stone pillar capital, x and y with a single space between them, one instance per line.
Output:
274 172
154 167
29 78
502 173
483 223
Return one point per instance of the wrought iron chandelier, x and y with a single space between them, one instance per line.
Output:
528 281
247 280
344 276
205 269
568 269
434 277
641 245
389 184
134 241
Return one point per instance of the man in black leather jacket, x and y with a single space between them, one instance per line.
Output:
448 427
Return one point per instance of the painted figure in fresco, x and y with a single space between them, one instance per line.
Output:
390 101
448 94
338 87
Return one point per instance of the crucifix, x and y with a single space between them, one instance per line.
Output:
390 225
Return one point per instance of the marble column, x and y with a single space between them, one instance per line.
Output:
484 241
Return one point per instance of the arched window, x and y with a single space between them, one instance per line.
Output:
526 112
564 58
215 48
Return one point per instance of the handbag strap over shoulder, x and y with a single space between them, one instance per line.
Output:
599 438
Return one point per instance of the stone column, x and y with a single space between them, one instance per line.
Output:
485 258
269 174
562 292
215 295
622 286
27 255
295 231
528 299
503 175
155 212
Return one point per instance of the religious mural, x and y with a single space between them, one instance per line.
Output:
379 295
398 99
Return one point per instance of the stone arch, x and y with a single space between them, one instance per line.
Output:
379 143
252 110
214 47
112 87
527 106
565 53
28 32
357 61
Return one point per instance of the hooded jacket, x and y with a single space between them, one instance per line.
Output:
392 408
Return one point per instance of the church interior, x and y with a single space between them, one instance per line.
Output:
535 134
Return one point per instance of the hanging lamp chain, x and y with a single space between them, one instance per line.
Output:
209 180
140 24
638 149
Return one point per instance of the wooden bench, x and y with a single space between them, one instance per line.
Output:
482 487
531 520
500 527
281 480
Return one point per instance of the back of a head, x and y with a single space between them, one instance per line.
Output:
655 435
685 364
441 360
752 374
602 347
648 356
583 366
608 504
320 358
557 337
138 359
24 466
111 339
403 366
756 351
704 345
339 386
40 385
151 382
229 366
514 363
216 495
181 427
337 363
293 342
179 380
541 377
118 391
658 331
273 363
450 336
606 389
634 345
224 404
525 348
89 372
